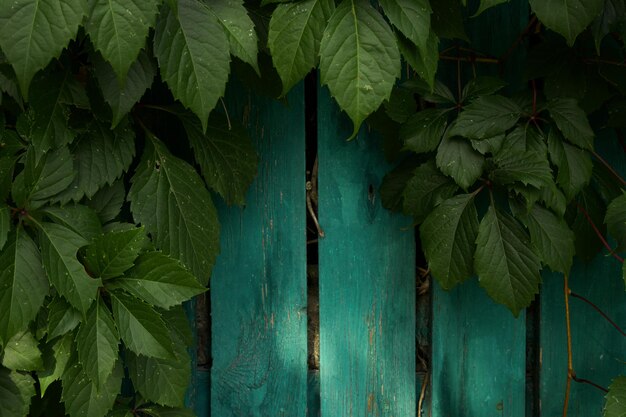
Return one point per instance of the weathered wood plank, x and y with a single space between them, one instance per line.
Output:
599 351
367 280
258 287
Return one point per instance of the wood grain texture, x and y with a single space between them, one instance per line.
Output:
258 287
367 279
478 347
599 351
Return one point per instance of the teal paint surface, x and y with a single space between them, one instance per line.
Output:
366 279
598 350
258 288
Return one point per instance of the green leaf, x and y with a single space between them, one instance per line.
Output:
83 399
97 343
411 17
193 54
448 237
400 106
481 86
114 253
163 381
506 266
553 198
21 353
46 178
574 164
59 246
615 220
616 398
81 219
447 19
394 183
107 201
55 361
26 385
588 244
359 59
571 121
529 168
489 146
487 4
426 189
10 396
169 198
295 33
486 117
32 32
612 15
118 29
23 284
178 323
160 281
226 156
170 412
552 237
62 318
141 328
423 61
138 79
567 17
423 132
239 28
457 159
5 224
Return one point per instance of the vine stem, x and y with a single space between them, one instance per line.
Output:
602 313
472 59
609 167
599 234
570 366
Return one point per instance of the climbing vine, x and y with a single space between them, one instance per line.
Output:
115 144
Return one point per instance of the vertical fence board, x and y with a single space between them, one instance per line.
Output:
478 347
258 288
367 280
599 351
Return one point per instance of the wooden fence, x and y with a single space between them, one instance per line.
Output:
474 358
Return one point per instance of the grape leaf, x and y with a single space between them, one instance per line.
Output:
108 200
44 179
567 17
480 86
59 246
141 328
5 224
169 198
571 121
26 385
10 396
97 344
506 266
160 281
295 33
62 318
359 59
114 253
424 130
574 165
423 61
616 398
23 284
615 220
55 361
411 17
448 237
118 29
457 159
225 154
486 117
21 353
529 168
426 189
32 32
193 54
80 219
82 398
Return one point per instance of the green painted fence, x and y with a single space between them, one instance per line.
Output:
481 362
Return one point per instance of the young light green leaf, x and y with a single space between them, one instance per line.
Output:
32 32
108 200
359 59
160 281
487 4
506 266
529 168
62 318
239 28
615 220
81 396
423 132
97 344
142 329
486 117
26 385
571 121
55 361
5 224
295 33
423 61
616 398
448 237
426 189
574 165
163 381
10 395
59 246
411 17
118 29
113 253
21 353
138 79
552 237
193 54
567 17
225 154
46 178
23 284
168 197
457 159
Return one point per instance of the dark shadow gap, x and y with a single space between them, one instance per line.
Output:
533 357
